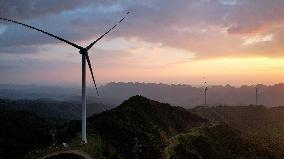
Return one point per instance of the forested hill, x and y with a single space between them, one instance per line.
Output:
115 93
21 132
69 110
190 96
137 128
260 124
145 121
164 131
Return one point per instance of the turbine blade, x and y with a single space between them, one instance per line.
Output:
91 70
93 43
61 39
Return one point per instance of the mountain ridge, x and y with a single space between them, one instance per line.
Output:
143 128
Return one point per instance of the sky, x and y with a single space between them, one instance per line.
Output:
222 42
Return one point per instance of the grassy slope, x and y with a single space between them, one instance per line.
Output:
21 132
143 128
144 122
215 142
137 121
261 125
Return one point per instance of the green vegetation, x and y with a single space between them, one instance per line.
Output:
143 128
52 109
22 132
258 124
215 142
96 147
140 121
139 127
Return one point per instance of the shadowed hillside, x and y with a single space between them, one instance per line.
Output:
260 124
21 132
52 109
215 142
147 122
143 128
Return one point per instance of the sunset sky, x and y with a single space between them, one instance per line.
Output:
184 41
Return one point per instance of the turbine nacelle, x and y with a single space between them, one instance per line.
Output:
83 51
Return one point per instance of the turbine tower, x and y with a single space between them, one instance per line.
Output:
256 95
85 57
205 95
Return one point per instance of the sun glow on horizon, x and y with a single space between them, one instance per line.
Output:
226 41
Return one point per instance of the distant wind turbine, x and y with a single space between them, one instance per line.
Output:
205 92
256 95
205 95
85 57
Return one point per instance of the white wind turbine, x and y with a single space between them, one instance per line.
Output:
85 57
205 94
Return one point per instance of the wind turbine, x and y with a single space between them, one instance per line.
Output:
85 57
205 95
205 92
256 95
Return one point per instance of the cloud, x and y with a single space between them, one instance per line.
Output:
30 9
255 16
33 64
19 49
257 39
27 70
77 24
103 58
208 28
